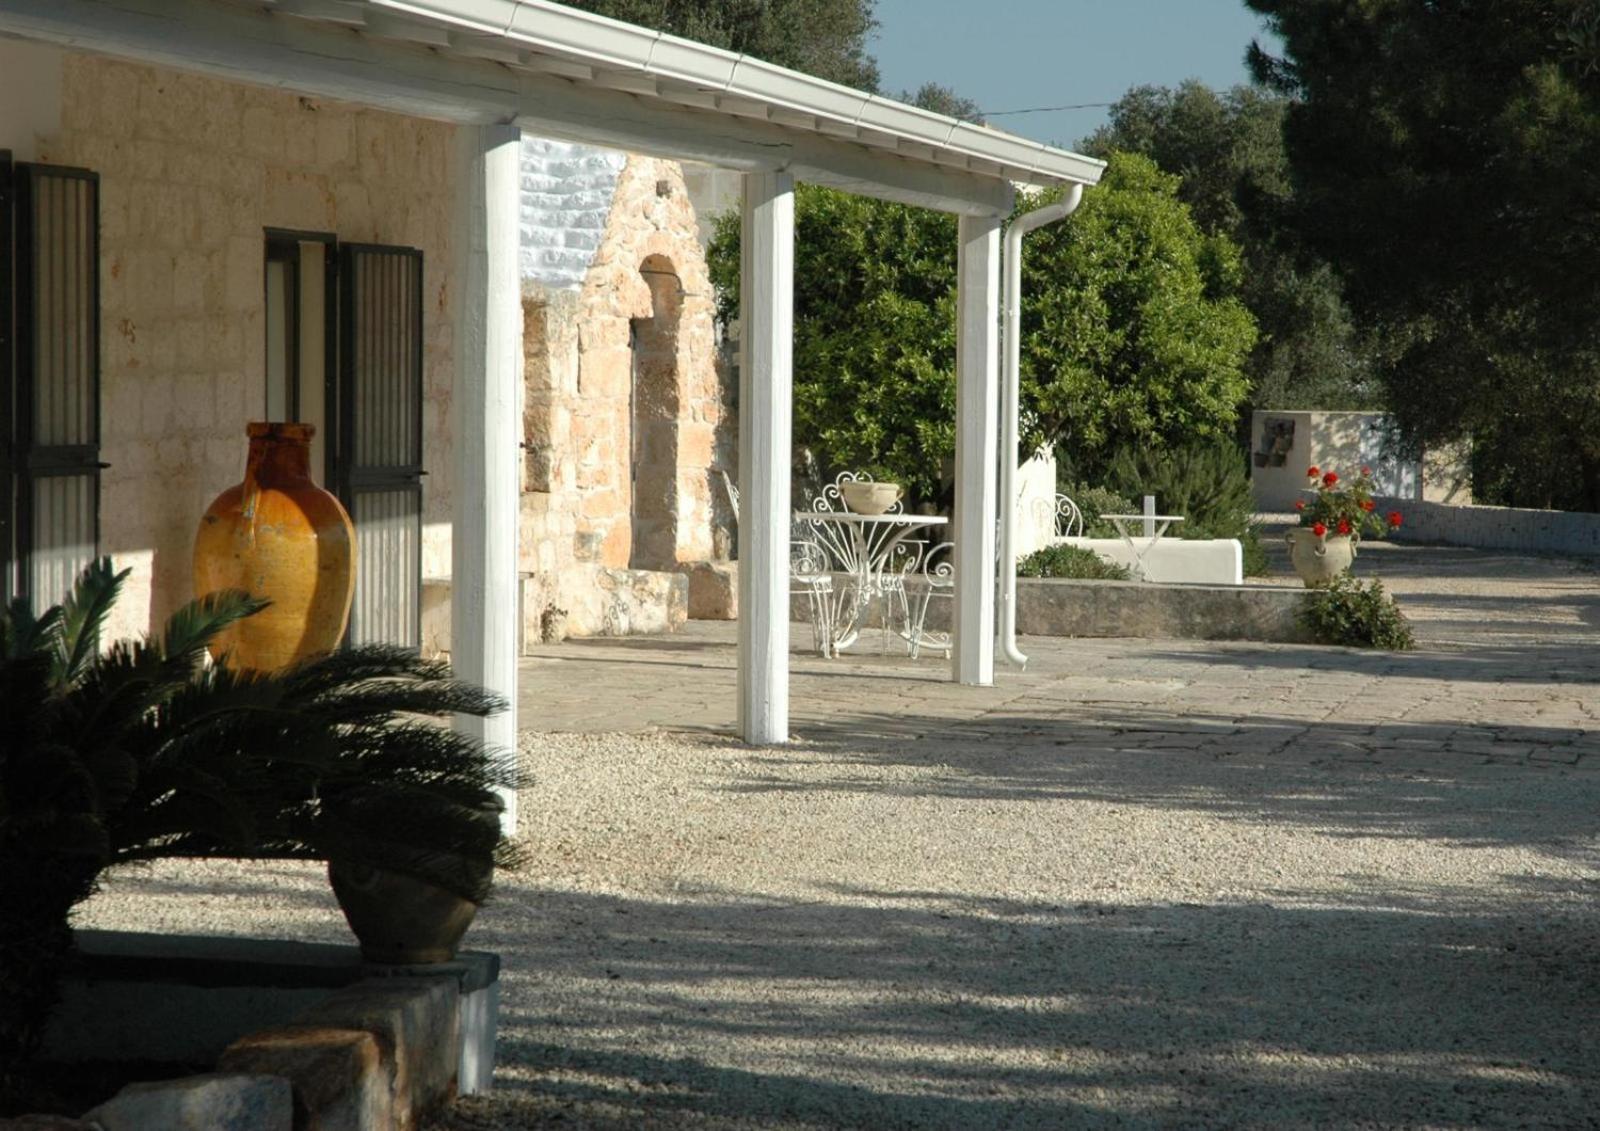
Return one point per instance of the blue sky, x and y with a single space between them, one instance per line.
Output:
1017 54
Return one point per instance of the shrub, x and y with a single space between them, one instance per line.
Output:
1071 561
1357 615
142 751
1205 482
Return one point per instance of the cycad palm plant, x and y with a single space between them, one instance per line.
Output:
144 751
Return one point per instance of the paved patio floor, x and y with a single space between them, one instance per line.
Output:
1510 652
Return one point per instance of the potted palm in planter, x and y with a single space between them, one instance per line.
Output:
142 751
1324 545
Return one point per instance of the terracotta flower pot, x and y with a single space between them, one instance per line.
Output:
399 919
1319 558
278 535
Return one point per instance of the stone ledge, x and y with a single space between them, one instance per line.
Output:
1069 607
340 1079
216 1101
368 1046
1072 607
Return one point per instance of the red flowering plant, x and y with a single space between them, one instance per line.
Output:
1342 506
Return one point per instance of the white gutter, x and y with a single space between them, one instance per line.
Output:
1010 395
828 107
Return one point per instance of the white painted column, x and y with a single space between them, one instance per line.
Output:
484 625
766 381
977 446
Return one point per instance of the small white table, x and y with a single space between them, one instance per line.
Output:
863 546
1148 532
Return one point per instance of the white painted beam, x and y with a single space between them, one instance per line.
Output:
248 44
766 321
484 624
977 446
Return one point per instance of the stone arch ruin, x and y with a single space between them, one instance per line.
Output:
627 413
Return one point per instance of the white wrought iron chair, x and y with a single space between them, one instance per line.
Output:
928 576
810 575
870 557
1062 516
932 576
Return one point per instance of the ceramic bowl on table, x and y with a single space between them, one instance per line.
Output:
866 497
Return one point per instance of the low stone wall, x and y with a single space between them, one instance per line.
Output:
1069 607
1496 528
292 1027
1065 607
583 601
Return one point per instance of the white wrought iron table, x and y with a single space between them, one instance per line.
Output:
1148 531
863 546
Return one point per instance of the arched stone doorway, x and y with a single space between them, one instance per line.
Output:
653 417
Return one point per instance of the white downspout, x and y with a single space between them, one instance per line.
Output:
1010 386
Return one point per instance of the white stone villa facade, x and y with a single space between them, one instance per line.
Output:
627 406
193 173
234 210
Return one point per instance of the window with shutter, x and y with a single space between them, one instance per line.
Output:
49 377
379 450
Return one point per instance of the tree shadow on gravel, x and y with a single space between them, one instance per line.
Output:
1456 782
921 1009
1577 662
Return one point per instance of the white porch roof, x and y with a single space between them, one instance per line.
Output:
563 73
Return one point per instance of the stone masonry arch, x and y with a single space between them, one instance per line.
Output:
626 414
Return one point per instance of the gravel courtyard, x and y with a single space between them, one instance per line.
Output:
1143 884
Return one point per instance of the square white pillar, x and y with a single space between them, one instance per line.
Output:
484 624
977 446
766 380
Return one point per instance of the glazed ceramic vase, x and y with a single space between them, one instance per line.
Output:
279 536
1318 559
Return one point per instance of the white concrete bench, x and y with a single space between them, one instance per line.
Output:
1199 561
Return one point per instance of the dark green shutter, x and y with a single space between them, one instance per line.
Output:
380 437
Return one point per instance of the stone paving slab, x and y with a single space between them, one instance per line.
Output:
1511 687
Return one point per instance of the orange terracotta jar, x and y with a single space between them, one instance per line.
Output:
278 535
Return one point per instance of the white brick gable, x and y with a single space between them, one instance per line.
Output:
567 191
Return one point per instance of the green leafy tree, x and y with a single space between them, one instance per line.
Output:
943 100
826 38
1130 331
1228 148
1445 158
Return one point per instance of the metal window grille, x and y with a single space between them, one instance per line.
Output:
379 457
49 378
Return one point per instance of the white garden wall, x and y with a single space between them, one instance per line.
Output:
1496 528
1198 561
1338 441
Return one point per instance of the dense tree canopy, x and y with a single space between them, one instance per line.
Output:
1131 332
826 38
943 100
1228 148
1446 157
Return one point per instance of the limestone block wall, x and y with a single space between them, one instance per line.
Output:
1524 529
626 411
192 171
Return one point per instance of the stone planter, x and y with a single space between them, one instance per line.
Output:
1319 559
278 535
399 919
